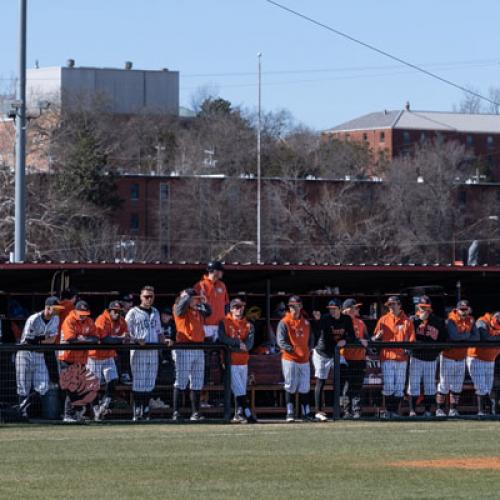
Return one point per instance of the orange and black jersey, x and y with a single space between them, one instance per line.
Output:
428 331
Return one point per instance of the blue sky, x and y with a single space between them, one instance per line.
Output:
321 78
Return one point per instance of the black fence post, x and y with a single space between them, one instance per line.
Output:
227 385
336 384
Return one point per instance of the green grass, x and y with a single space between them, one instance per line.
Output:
332 460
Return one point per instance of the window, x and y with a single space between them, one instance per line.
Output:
382 136
469 141
489 142
134 192
406 137
164 192
462 197
365 136
347 137
134 223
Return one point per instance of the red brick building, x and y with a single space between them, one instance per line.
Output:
389 134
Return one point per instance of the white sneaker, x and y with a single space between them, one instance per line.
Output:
97 413
290 417
412 413
440 413
321 416
69 420
453 413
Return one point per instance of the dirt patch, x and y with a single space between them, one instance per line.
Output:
491 463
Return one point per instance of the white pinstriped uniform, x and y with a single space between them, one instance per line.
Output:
31 370
297 376
144 325
482 374
425 371
239 377
394 373
189 368
451 375
104 369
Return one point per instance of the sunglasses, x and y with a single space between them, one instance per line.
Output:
148 296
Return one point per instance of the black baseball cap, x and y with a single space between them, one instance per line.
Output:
334 303
393 299
236 302
53 302
348 303
424 302
127 297
215 265
463 304
166 310
82 308
115 305
294 299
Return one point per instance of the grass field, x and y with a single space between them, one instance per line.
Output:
332 460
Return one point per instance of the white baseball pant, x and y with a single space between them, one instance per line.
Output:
144 366
482 374
239 377
394 373
31 373
451 375
189 368
322 365
422 371
297 376
104 369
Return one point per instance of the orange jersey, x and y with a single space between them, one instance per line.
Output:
237 329
486 353
217 298
395 329
72 328
189 327
299 331
63 314
106 327
463 326
356 353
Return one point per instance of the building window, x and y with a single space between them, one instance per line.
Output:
462 197
134 223
469 141
365 136
134 192
164 192
382 136
347 137
406 137
489 142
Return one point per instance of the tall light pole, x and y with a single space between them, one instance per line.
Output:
20 188
259 126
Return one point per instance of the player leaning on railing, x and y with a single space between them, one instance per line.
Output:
32 375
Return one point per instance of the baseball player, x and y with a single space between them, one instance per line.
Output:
460 328
295 341
238 333
78 327
335 329
394 326
110 328
144 326
355 358
190 310
31 370
214 290
481 361
429 329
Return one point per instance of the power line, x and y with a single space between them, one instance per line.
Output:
380 51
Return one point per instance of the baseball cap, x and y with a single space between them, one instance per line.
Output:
127 297
82 308
53 302
294 299
424 302
192 292
116 305
236 302
215 265
393 299
348 303
334 303
166 310
463 304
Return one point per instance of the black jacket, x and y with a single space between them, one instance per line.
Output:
433 331
330 331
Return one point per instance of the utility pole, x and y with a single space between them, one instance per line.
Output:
20 181
259 126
